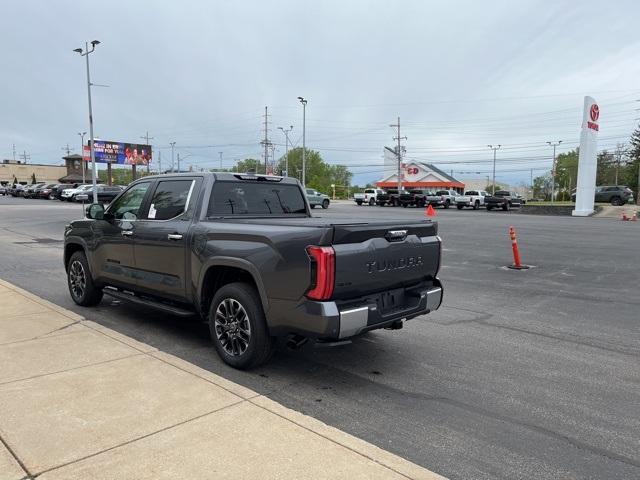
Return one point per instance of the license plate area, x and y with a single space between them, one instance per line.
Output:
391 301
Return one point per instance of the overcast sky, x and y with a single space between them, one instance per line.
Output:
460 75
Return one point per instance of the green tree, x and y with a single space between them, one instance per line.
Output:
542 187
566 173
33 178
249 164
631 173
319 175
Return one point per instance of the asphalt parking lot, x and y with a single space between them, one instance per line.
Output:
521 374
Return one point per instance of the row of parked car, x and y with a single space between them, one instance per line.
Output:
474 199
70 192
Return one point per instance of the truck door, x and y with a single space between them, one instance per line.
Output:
161 240
113 261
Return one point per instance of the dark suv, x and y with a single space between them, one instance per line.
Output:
613 194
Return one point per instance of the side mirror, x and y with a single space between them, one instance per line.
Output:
95 211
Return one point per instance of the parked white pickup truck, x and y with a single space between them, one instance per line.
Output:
368 197
471 198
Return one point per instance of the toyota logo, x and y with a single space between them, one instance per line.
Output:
594 112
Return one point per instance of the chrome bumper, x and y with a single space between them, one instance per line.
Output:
354 320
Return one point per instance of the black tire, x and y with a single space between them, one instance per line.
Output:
51 196
460 207
476 205
506 207
359 202
81 287
616 201
250 346
325 204
312 205
372 202
447 204
489 208
404 205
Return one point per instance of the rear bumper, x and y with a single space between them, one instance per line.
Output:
338 320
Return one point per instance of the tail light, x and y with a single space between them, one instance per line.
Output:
323 272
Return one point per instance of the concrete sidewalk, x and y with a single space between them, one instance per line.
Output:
80 401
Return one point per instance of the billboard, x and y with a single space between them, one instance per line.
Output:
119 153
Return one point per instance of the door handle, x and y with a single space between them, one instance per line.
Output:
127 233
174 236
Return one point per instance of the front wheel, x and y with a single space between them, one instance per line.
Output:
81 287
506 207
489 207
52 196
476 205
372 202
238 326
447 204
325 204
460 207
616 201
359 202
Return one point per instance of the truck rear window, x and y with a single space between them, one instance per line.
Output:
255 198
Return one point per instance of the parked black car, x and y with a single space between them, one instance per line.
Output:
613 194
57 190
416 198
16 190
502 199
244 252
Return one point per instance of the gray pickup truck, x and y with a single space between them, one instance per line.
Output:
244 253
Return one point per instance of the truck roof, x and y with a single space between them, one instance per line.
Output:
228 176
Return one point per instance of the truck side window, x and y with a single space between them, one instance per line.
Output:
170 199
128 204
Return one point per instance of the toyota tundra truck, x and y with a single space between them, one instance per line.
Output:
243 252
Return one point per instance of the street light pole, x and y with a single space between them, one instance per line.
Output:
304 146
495 149
553 169
286 147
82 134
85 54
220 160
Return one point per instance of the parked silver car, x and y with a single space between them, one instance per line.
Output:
316 198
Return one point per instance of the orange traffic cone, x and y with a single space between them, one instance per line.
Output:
430 211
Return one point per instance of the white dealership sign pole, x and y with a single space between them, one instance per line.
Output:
587 161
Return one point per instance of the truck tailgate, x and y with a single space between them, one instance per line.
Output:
376 257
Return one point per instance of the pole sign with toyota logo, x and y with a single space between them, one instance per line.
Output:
587 163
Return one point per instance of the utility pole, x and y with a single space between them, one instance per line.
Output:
67 149
14 152
178 162
532 183
94 174
553 169
25 156
266 143
173 144
160 162
146 137
304 145
619 148
399 152
495 149
220 153
286 148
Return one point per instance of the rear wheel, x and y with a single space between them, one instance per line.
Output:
325 204
459 206
489 207
616 201
506 207
447 203
238 326
372 202
359 202
476 205
81 287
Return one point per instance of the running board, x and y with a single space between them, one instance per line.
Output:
127 297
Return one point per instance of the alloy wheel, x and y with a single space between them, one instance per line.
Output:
77 279
232 327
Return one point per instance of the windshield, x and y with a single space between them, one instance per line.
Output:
255 198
